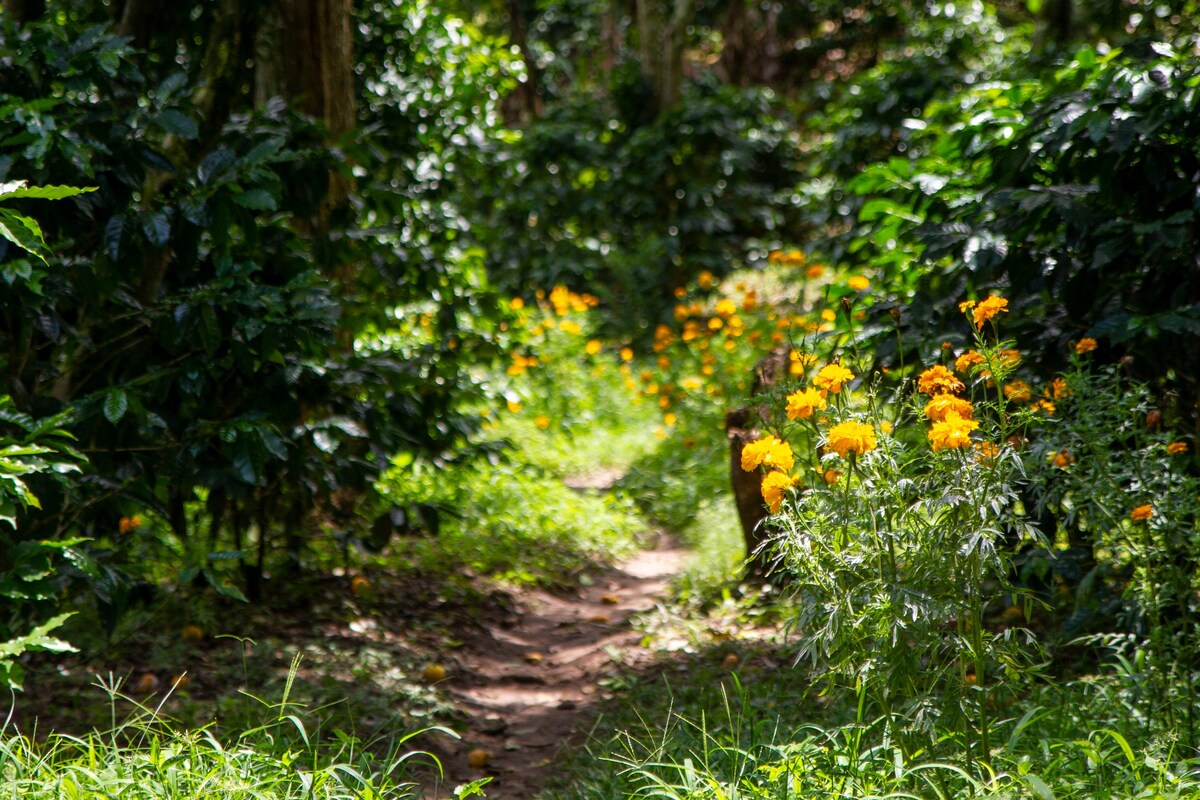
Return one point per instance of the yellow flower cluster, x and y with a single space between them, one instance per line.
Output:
851 437
831 377
951 432
773 487
969 359
988 308
942 404
938 380
802 404
564 301
791 258
768 452
520 363
1018 392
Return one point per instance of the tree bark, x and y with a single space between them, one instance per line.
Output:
661 41
25 10
306 56
138 19
528 95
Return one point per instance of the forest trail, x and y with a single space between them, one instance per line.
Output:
525 683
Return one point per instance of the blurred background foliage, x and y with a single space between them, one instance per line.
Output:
307 213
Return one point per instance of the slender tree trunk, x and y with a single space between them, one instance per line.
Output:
138 20
25 10
528 95
661 40
306 56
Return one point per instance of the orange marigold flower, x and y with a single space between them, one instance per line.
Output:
942 404
801 404
951 432
767 451
858 283
1177 448
1141 513
814 271
986 451
851 437
1044 405
1085 345
593 346
726 308
131 524
626 354
542 421
938 380
988 308
773 487
1018 392
1010 358
705 280
831 377
967 360
1063 459
831 476
966 305
1059 389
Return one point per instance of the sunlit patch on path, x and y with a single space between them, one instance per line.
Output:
525 683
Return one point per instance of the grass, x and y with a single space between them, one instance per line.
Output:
148 756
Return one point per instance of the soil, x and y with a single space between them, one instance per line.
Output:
527 684
525 668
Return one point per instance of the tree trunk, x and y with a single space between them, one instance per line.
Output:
527 97
660 46
25 10
138 20
306 56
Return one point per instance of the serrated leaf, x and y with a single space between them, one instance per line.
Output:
157 228
214 165
42 192
178 123
256 199
116 403
23 232
112 235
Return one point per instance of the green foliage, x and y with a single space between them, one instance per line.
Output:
29 447
147 755
230 371
511 521
1073 189
629 209
1131 505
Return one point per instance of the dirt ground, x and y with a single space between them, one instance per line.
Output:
526 683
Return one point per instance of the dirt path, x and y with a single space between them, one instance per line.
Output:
527 682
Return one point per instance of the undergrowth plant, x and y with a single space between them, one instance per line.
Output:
1123 482
146 755
903 539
